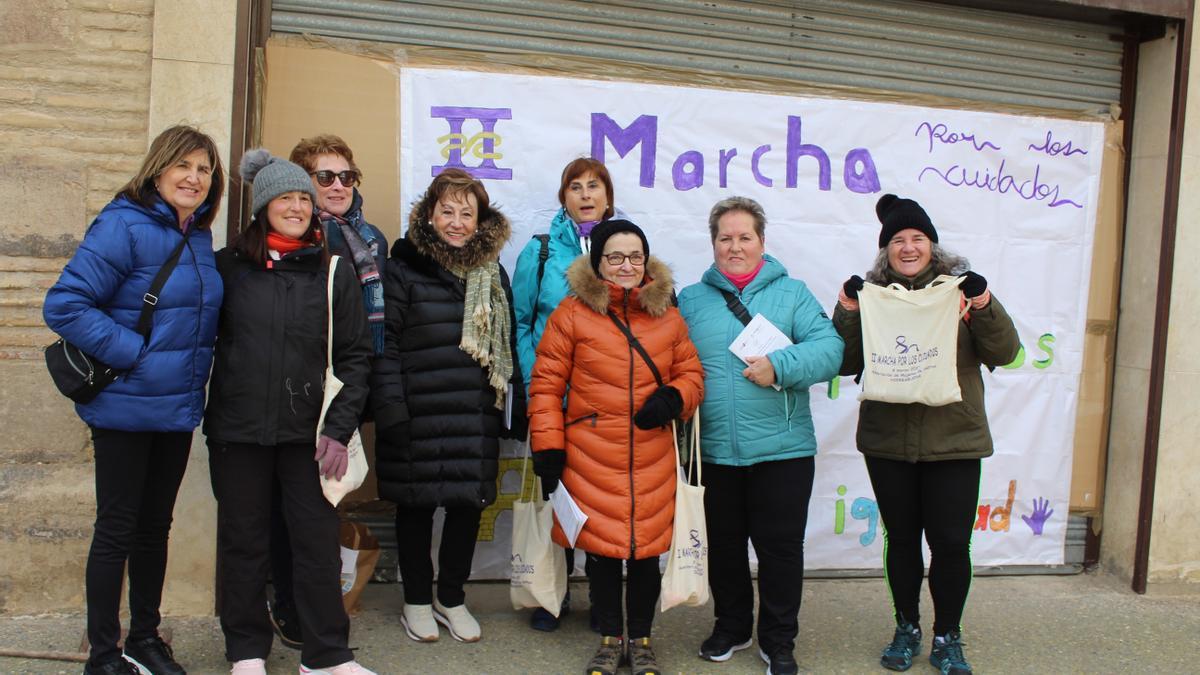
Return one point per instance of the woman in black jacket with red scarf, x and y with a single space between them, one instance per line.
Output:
261 422
440 392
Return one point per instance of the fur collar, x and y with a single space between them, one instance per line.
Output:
654 296
490 237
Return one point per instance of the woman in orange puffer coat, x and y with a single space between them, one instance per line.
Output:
612 446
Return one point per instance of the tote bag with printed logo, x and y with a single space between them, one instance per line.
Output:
539 568
910 342
685 579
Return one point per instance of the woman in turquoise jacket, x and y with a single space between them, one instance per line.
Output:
757 432
540 281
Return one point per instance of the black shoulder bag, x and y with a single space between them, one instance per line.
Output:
739 310
81 377
637 346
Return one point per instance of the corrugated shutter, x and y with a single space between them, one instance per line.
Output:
888 45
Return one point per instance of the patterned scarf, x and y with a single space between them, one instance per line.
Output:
486 328
361 242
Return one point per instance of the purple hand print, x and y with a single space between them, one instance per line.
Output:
1037 520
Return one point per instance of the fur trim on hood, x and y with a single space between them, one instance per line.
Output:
490 236
654 295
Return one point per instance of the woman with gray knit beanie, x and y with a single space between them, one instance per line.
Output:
440 393
265 400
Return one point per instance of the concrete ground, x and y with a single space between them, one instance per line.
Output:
1087 623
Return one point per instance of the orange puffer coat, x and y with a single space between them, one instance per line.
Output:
622 477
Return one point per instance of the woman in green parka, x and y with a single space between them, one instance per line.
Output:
924 461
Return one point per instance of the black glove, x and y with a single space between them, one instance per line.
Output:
548 465
972 285
852 286
660 408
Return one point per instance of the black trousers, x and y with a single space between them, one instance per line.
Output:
137 478
766 504
414 539
242 478
939 499
281 549
642 585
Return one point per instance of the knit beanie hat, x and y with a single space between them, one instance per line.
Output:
901 214
608 228
273 176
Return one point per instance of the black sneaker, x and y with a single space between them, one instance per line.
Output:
152 656
547 622
286 624
780 662
118 667
906 644
720 647
947 655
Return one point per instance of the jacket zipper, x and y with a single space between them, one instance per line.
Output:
199 306
632 494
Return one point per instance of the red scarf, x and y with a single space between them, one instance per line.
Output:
284 244
740 281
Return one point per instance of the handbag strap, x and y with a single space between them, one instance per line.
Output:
333 263
694 461
735 305
150 299
633 342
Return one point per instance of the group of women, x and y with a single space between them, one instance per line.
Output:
438 349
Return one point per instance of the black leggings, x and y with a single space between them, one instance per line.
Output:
642 584
939 499
137 478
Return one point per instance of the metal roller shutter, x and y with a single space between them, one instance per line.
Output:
888 45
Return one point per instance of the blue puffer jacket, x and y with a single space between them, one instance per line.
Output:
564 249
96 303
741 422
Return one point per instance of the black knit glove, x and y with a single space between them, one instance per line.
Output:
664 405
548 465
973 285
852 286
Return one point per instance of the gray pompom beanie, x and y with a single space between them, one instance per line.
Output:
273 176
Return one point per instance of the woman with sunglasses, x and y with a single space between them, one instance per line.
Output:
329 161
612 447
585 193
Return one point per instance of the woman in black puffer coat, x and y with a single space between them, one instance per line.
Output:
439 392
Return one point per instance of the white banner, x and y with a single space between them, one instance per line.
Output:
1016 195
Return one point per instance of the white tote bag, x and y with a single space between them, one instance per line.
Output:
910 342
356 468
685 580
539 566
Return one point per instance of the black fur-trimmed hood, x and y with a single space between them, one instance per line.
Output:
653 296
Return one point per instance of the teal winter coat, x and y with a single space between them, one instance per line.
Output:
528 299
742 423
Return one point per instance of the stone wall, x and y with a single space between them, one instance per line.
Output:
74 108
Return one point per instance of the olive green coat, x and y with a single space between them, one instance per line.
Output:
914 432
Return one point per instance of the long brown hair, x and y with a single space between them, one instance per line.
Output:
251 242
167 149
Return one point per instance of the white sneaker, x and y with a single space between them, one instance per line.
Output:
347 668
463 627
249 667
418 622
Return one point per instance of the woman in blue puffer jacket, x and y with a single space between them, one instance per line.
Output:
757 432
142 423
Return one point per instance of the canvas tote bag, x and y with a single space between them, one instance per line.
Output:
356 468
910 342
685 580
539 567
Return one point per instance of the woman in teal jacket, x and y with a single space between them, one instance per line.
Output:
540 281
757 432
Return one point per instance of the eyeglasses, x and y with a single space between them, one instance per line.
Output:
637 259
325 177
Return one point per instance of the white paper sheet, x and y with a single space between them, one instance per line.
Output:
570 518
759 338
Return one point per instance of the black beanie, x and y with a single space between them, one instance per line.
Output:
608 228
900 214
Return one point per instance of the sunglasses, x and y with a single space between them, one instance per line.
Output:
325 177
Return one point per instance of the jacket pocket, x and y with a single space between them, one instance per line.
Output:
590 418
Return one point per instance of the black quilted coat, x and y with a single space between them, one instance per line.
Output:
437 424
